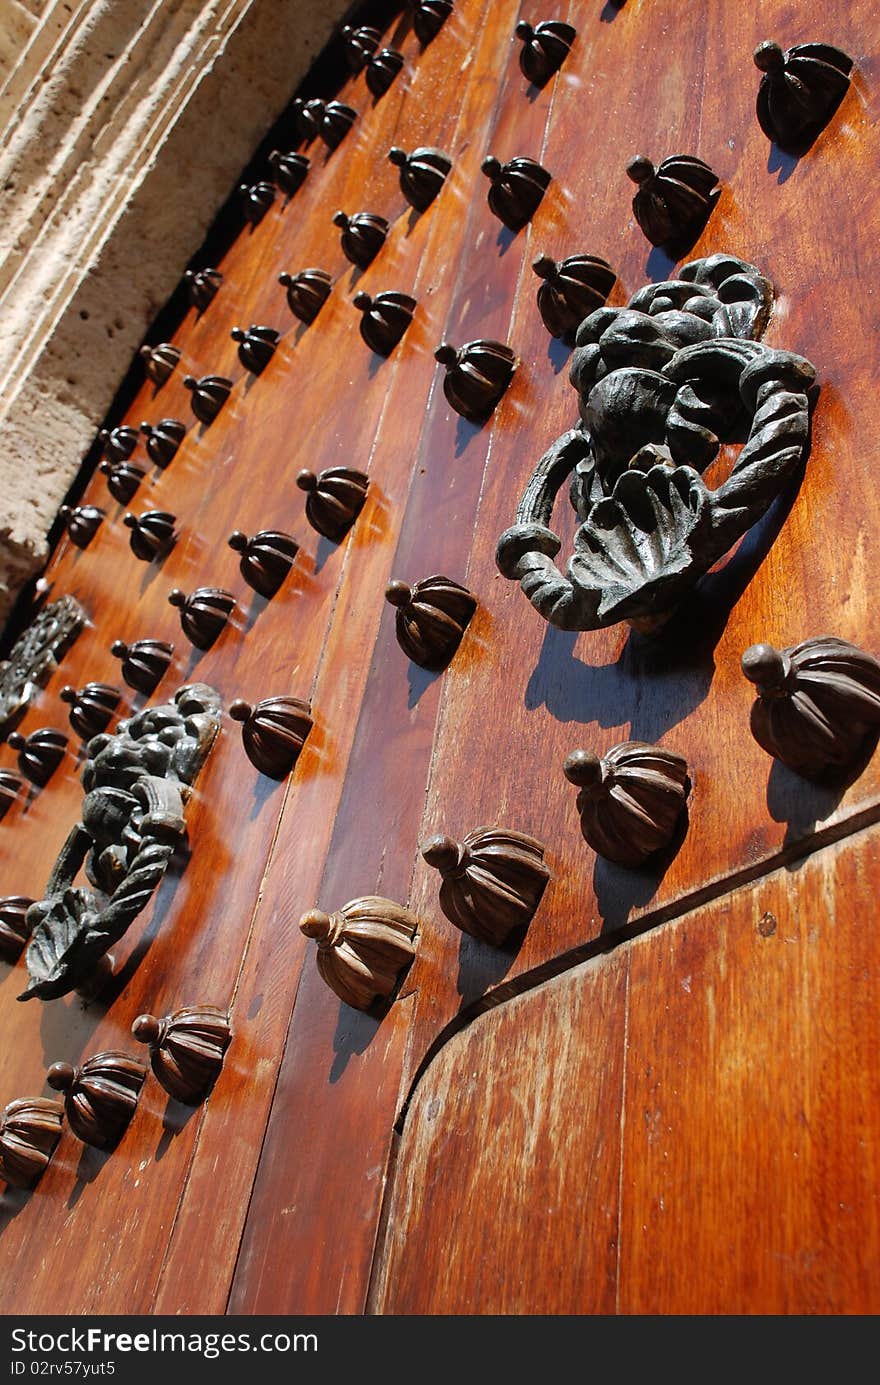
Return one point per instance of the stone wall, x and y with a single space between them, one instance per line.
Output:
124 126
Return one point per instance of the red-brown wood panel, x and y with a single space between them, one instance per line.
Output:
239 472
298 1133
505 1189
532 694
751 1153
409 260
717 1076
337 1062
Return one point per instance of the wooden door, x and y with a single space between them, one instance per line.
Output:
666 1098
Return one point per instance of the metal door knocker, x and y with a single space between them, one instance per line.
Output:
662 384
137 783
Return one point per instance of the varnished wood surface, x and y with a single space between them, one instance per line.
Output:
555 691
329 1243
505 1190
297 1134
687 1126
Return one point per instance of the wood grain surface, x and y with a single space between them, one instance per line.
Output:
688 1125
515 719
297 1135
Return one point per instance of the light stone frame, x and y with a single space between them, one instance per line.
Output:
125 125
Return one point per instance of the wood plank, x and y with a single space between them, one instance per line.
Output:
487 740
384 782
223 477
716 1068
505 1190
751 1136
341 665
531 694
267 993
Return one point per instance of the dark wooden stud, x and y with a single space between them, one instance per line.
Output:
144 662
123 479
570 290
307 117
163 440
100 1097
428 17
818 704
675 199
360 44
202 286
91 707
335 123
117 444
273 732
800 91
422 174
266 558
307 292
545 48
209 394
329 120
632 801
82 523
160 361
203 613
10 788
384 319
39 754
492 881
516 189
289 170
186 1049
14 927
256 346
363 236
30 1128
382 70
258 198
431 618
364 949
152 533
335 499
477 374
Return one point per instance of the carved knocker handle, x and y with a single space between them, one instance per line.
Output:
526 551
649 534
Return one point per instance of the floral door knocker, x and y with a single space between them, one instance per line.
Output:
662 384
